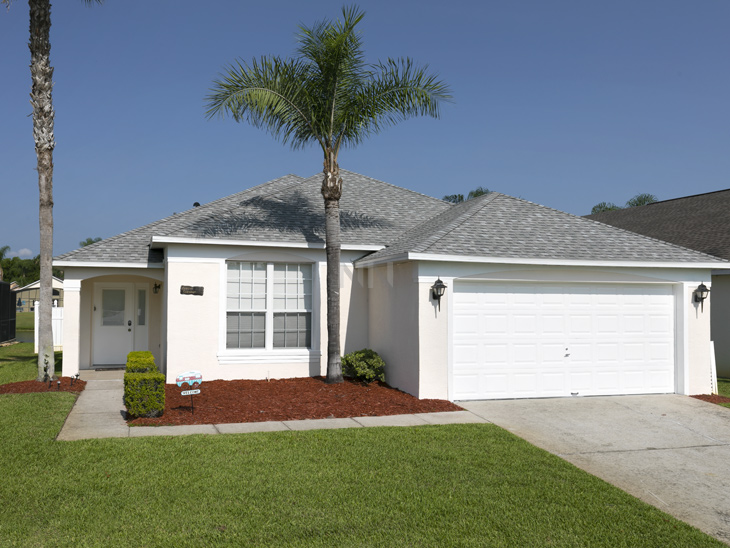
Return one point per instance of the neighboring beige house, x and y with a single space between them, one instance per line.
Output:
537 303
26 296
700 222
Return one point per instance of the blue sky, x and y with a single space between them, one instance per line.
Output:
566 103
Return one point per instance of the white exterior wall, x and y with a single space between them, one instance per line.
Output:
72 328
354 324
719 301
697 360
398 302
394 323
433 345
192 320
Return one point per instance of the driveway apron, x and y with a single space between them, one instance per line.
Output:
670 451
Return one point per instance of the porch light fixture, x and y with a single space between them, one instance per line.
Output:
156 289
701 294
437 290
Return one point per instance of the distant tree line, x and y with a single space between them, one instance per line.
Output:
24 271
636 201
458 198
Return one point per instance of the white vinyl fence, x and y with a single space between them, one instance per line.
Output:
57 326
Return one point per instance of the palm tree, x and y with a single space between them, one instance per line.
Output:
41 73
327 96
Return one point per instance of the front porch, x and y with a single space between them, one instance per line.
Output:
107 316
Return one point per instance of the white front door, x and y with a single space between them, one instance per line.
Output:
113 319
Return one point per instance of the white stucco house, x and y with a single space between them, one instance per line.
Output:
538 303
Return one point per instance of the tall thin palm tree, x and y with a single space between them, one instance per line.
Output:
41 73
327 95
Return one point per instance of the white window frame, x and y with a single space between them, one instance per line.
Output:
269 353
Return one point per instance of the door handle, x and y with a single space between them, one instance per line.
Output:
129 323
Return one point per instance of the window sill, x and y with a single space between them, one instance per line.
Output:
263 356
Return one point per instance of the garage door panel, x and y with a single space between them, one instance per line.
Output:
581 323
525 354
542 340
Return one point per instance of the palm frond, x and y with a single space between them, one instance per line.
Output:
268 94
327 94
392 92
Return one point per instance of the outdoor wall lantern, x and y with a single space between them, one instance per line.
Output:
701 294
437 290
156 289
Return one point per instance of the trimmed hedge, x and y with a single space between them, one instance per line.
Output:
140 362
144 394
364 365
144 386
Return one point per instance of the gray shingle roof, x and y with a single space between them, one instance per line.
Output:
288 209
699 222
500 226
375 213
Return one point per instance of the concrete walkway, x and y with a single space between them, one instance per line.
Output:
670 451
99 413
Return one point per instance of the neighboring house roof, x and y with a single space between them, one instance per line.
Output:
698 222
500 226
289 209
57 284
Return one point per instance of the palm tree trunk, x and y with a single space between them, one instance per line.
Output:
331 191
42 76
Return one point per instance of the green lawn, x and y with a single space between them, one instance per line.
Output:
461 485
24 321
18 362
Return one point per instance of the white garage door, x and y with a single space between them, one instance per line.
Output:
544 340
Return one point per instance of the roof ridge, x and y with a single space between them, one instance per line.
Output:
470 207
435 236
400 188
686 197
586 217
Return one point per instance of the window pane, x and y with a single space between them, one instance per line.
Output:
246 280
292 330
112 307
142 307
245 330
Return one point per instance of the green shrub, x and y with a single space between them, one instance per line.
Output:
364 365
140 362
144 394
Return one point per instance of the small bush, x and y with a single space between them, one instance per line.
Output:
364 365
144 394
140 362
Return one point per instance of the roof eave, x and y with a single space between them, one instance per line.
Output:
431 257
162 241
101 264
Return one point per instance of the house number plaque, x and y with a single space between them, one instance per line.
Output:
191 290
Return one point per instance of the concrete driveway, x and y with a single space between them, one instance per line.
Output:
668 450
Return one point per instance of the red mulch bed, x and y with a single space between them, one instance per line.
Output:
712 398
26 387
287 399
